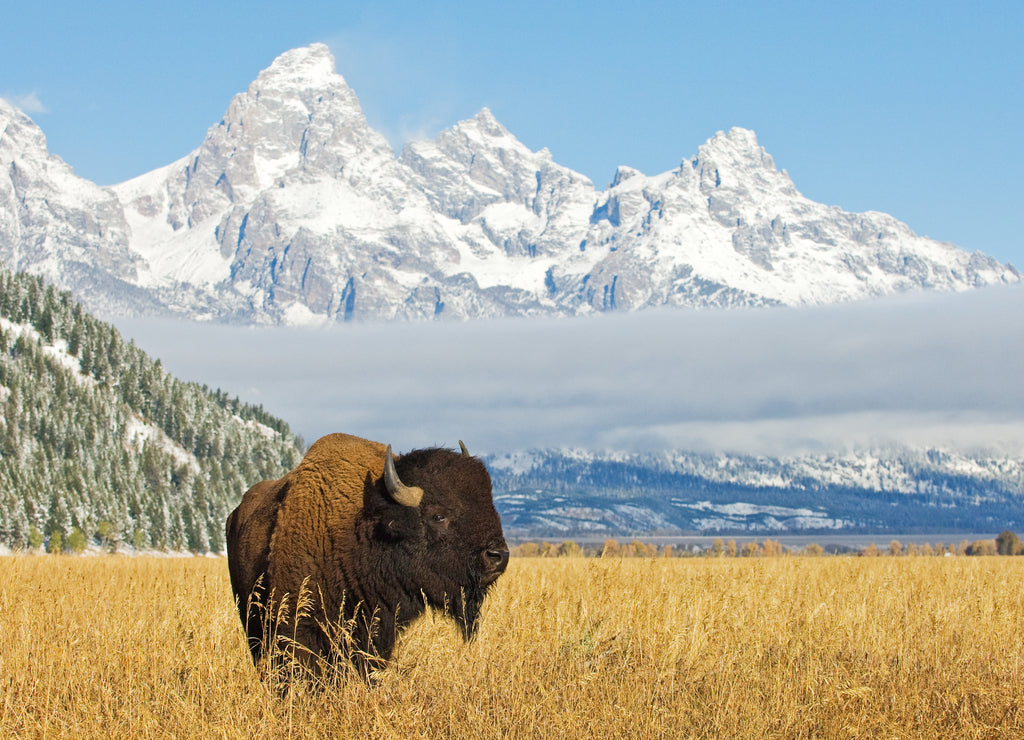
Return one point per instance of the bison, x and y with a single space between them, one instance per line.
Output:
370 539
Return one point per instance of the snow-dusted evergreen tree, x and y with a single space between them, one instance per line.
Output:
96 436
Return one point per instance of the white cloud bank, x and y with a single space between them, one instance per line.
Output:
918 369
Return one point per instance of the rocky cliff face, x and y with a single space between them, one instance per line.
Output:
63 227
294 210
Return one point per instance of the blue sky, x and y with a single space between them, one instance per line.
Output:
914 109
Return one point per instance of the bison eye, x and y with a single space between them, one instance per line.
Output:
440 518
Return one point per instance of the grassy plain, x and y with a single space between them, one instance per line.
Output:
782 647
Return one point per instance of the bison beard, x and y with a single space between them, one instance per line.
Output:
467 611
356 544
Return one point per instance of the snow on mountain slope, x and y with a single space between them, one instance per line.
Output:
170 255
138 432
578 492
294 210
294 207
61 226
727 225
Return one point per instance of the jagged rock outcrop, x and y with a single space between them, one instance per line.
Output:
294 210
63 227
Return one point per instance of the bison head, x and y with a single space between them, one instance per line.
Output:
437 509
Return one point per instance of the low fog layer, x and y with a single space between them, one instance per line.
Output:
916 369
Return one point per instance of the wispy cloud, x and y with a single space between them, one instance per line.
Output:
924 369
29 103
401 98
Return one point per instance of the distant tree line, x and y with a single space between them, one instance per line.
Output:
99 445
1007 543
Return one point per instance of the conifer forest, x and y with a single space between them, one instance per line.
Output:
99 444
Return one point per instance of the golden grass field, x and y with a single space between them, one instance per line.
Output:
781 647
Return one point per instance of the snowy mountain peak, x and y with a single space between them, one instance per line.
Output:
739 145
485 123
294 210
483 133
737 139
623 173
297 125
478 169
744 189
306 67
306 80
730 158
295 110
61 226
18 132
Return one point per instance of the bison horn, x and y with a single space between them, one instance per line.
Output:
401 493
462 446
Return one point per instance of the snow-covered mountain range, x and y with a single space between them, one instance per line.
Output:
294 210
556 493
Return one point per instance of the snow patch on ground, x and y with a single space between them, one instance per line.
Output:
742 509
743 515
139 432
262 429
58 351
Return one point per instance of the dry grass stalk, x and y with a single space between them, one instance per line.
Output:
787 647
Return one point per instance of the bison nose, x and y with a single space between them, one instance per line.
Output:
496 560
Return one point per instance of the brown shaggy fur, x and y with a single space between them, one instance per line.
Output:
368 564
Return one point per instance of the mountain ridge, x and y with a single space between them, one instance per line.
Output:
572 492
294 210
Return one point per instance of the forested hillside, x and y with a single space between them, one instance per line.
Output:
99 444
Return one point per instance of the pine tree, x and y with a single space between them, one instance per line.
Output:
88 447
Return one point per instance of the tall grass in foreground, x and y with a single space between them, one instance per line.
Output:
781 647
